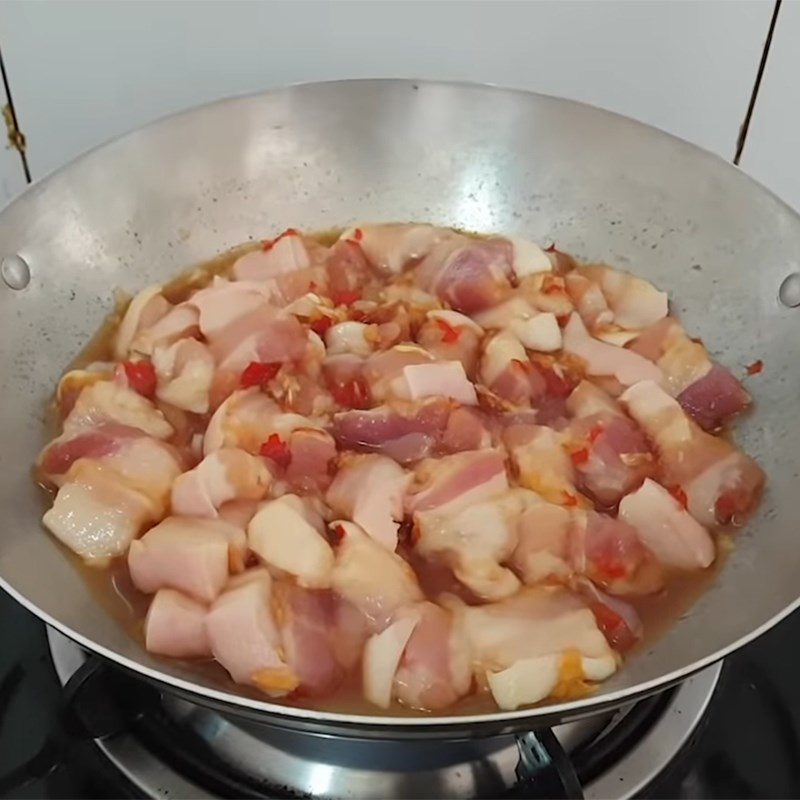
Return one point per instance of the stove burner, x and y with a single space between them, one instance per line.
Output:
175 748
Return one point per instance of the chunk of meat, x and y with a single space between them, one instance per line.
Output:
474 541
393 247
721 484
541 460
713 399
185 371
96 515
589 301
384 372
311 452
618 620
470 275
636 303
528 258
668 530
245 638
223 302
450 336
546 292
287 253
611 457
382 654
349 337
263 335
369 489
307 626
144 310
543 642
465 430
187 554
348 271
434 669
176 626
224 475
456 481
506 370
587 400
440 379
109 402
288 534
179 322
543 543
374 580
609 552
607 360
404 432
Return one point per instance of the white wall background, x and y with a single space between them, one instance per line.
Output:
82 72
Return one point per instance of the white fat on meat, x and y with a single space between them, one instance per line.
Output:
191 555
178 323
287 253
382 654
604 359
589 301
542 641
454 482
542 460
392 247
288 534
109 401
349 337
586 400
245 638
374 580
224 301
475 541
175 626
636 303
96 515
435 668
224 475
184 372
369 489
440 379
674 537
540 333
683 363
528 258
455 320
144 310
543 543
499 316
498 352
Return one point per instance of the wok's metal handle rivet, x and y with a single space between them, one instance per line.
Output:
789 293
16 272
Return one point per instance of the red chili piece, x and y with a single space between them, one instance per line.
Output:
276 450
141 377
258 373
337 533
679 495
755 367
321 324
580 456
345 298
449 333
353 394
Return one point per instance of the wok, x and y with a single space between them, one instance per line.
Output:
158 200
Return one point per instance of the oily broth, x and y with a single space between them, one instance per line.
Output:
113 590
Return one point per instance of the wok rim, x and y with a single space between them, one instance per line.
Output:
582 707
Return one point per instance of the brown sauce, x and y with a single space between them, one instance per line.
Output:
114 591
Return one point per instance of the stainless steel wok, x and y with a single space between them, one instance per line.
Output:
156 201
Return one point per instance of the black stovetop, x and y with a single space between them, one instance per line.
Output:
747 746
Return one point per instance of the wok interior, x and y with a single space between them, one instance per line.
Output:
161 199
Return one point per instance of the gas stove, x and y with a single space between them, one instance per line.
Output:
72 726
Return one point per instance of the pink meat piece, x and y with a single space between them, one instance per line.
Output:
616 460
434 670
176 626
618 620
404 432
464 349
348 268
223 302
307 625
383 371
609 552
262 334
714 399
465 431
470 275
102 440
191 555
312 452
721 484
520 383
290 252
245 638
458 480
